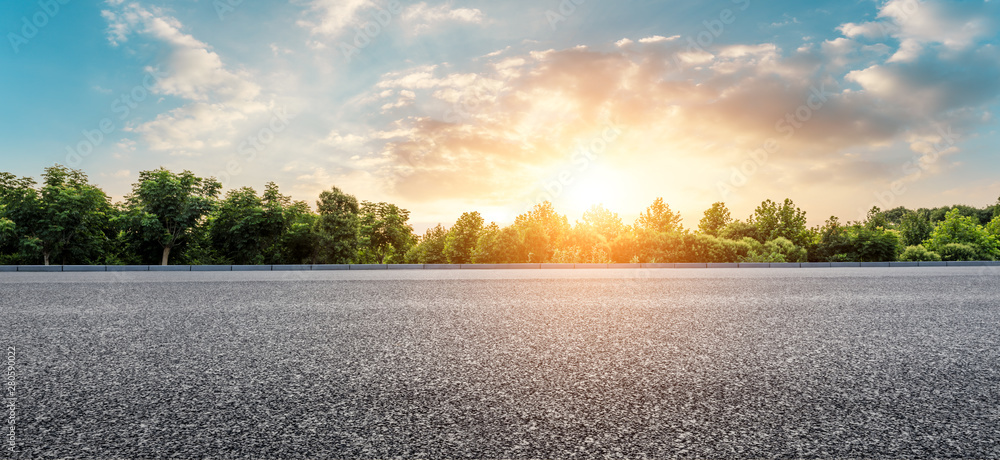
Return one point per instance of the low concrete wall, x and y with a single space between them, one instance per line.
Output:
247 268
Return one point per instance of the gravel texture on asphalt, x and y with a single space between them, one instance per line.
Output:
889 362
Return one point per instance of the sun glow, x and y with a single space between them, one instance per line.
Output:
591 187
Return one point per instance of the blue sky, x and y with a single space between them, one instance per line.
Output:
493 106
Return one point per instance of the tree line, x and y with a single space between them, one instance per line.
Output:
181 218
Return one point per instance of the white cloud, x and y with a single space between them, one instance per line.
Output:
330 18
217 96
192 128
917 24
424 17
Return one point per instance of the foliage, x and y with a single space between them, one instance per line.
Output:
919 253
336 227
384 234
462 238
959 229
958 252
430 248
657 218
780 221
543 231
715 220
914 228
181 219
608 225
166 208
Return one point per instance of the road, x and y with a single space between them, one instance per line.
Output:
873 362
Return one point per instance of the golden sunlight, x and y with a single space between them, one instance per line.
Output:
596 185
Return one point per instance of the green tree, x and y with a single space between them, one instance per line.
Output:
716 218
914 228
337 226
486 250
384 232
993 228
959 229
553 226
287 225
737 230
239 226
657 218
462 238
780 221
68 219
167 208
430 248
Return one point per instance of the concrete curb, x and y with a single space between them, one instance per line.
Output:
690 265
39 268
252 268
782 265
326 267
284 268
558 266
169 268
85 268
331 267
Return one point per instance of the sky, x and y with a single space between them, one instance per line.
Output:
444 107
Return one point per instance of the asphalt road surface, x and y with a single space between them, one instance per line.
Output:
874 362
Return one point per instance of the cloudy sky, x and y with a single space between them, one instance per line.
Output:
451 106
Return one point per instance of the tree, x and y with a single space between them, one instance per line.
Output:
287 228
959 229
337 226
658 218
462 238
551 224
167 207
430 248
486 250
384 232
780 221
716 218
876 219
68 219
239 227
993 228
737 230
603 222
914 228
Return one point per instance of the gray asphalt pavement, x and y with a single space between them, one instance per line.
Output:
821 363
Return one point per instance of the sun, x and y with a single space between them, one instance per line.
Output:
591 187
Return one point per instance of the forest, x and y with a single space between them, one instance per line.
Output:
179 218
